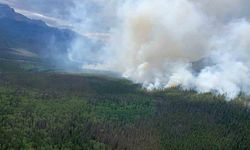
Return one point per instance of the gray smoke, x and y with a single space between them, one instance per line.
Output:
157 42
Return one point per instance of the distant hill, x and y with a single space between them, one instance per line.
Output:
50 44
18 31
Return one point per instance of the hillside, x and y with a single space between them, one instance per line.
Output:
50 45
18 31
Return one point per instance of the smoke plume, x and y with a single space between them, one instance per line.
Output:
157 43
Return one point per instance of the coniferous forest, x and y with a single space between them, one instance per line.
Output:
51 110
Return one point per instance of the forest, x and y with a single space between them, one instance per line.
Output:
44 109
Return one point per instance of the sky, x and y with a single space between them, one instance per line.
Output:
102 13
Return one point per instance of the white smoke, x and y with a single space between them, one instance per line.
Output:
156 43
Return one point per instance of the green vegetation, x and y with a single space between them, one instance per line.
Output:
46 110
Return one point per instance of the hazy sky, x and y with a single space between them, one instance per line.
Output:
100 14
